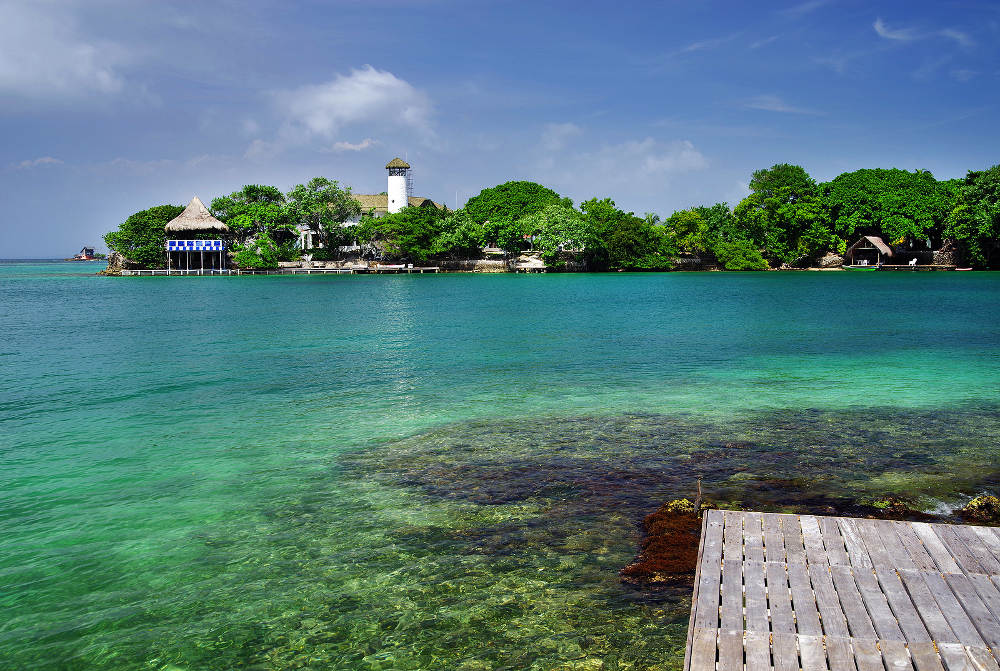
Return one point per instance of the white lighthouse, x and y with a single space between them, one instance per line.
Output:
397 192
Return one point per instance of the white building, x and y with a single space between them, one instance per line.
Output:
396 197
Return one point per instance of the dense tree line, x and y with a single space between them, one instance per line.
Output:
787 220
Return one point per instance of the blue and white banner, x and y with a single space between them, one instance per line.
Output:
195 246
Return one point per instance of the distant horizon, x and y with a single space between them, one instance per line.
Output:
111 108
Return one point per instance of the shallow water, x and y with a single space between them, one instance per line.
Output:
444 471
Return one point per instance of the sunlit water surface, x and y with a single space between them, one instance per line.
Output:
424 472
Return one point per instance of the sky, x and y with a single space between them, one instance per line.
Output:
108 107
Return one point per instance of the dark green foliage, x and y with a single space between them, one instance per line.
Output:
974 223
261 225
407 236
895 205
623 241
557 228
141 238
460 237
740 255
784 216
324 206
511 201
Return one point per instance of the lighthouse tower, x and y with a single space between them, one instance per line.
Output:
398 173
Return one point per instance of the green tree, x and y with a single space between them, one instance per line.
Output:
261 251
511 201
460 237
784 216
740 255
324 206
254 210
895 205
141 238
557 228
624 241
408 235
974 223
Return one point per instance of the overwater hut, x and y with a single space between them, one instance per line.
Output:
196 240
870 250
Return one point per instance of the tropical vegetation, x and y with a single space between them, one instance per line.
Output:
788 220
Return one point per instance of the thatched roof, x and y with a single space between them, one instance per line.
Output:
397 163
380 202
875 242
195 217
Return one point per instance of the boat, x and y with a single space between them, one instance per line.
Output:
861 268
85 254
963 268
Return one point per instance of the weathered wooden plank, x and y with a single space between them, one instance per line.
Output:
877 605
925 657
803 601
784 652
774 542
928 609
730 650
779 599
898 555
959 550
894 656
899 601
989 538
873 543
954 657
731 612
710 573
704 649
867 655
811 653
813 540
988 592
858 622
795 552
831 614
732 546
694 596
914 547
758 650
935 548
978 548
959 622
856 552
753 537
755 595
839 654
833 541
981 617
981 658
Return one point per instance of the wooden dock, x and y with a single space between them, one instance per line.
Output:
789 592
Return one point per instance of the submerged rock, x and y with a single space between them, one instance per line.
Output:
982 510
669 552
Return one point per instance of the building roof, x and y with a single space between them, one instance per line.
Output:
876 242
195 217
397 163
380 202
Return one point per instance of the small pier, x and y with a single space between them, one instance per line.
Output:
788 592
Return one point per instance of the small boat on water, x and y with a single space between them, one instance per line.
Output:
963 268
861 268
85 254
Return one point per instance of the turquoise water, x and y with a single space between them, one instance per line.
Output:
443 471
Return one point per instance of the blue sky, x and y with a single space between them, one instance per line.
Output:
111 106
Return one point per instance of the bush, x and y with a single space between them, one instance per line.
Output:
740 255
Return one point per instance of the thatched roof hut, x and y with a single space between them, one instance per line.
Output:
195 217
868 249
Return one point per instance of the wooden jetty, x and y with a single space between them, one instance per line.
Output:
788 592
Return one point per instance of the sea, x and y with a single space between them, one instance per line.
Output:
445 471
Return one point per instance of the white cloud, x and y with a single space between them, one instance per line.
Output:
555 135
36 162
899 34
961 38
356 146
760 43
804 8
770 103
367 97
42 56
963 75
631 162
